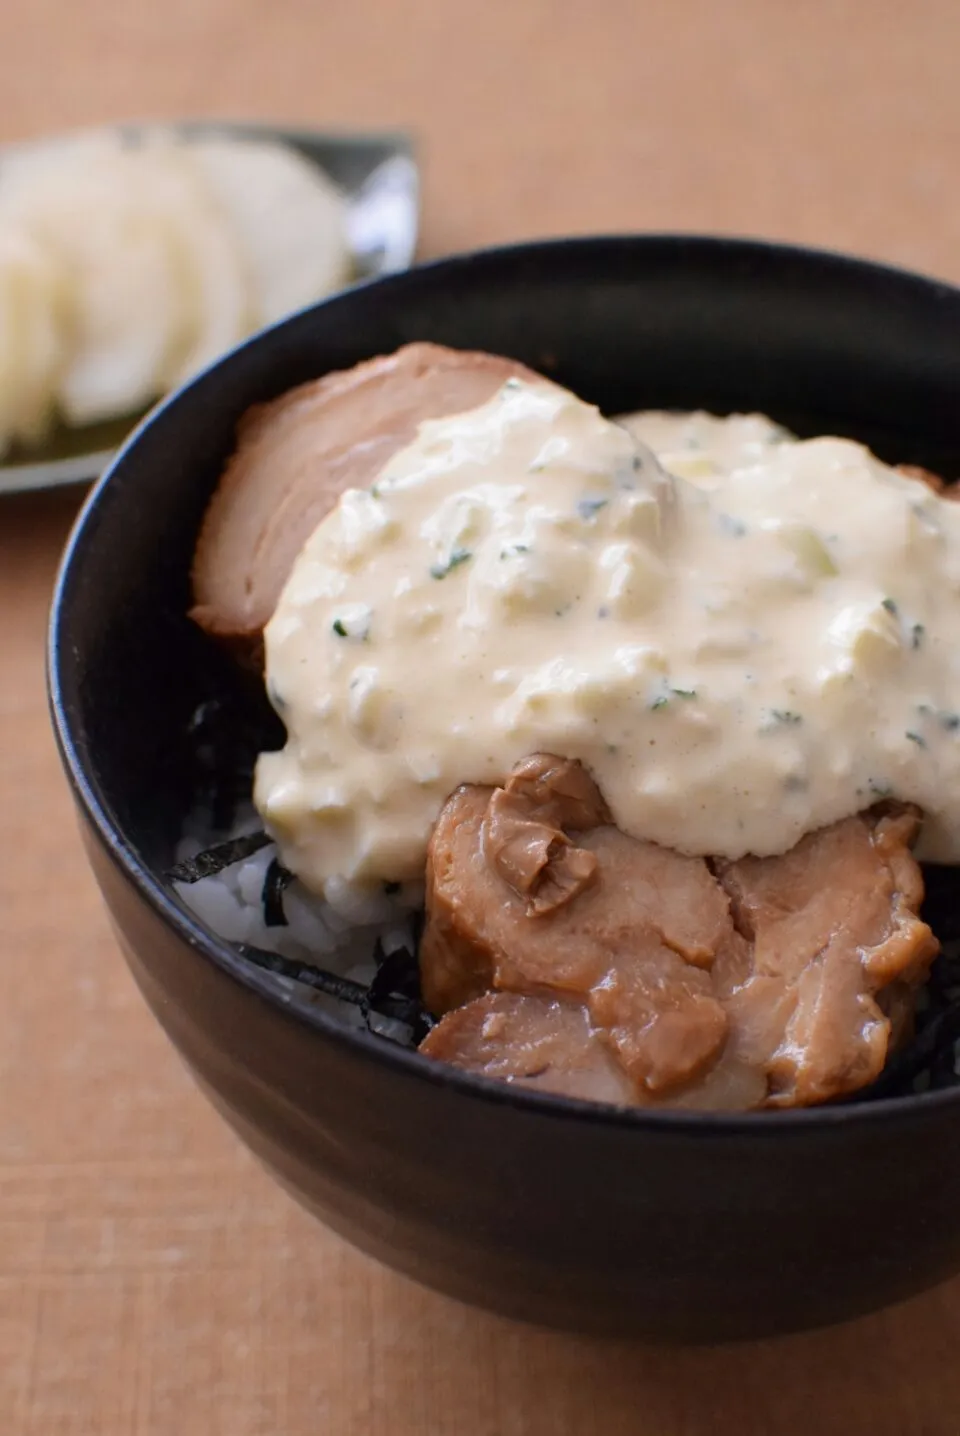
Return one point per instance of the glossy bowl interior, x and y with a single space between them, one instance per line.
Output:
683 1226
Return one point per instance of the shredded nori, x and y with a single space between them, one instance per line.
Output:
275 883
224 743
394 992
327 982
213 860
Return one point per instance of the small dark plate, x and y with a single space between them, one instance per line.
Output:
690 1226
379 176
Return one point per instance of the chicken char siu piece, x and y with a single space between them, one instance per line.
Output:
540 1041
833 923
761 984
296 455
550 1043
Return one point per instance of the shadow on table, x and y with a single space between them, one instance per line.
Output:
892 1374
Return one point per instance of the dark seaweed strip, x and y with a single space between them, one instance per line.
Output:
213 860
383 1001
303 972
408 1014
224 736
275 883
395 992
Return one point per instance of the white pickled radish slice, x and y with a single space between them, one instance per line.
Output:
166 253
288 215
128 314
31 337
211 263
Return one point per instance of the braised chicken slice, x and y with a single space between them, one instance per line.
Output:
296 455
524 896
773 981
832 924
537 1041
540 1041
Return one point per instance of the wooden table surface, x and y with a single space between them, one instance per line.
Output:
152 1278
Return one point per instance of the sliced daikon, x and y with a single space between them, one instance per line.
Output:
128 312
288 215
211 261
32 316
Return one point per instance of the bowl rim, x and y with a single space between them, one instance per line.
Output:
362 1044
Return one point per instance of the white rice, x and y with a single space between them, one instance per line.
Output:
339 934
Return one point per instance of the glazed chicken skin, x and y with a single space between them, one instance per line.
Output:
566 955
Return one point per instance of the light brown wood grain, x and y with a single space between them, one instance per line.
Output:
152 1280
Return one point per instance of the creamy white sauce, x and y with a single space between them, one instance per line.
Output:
703 447
738 657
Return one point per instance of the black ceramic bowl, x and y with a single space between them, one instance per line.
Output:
676 1226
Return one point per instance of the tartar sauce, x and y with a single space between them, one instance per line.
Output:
703 447
738 656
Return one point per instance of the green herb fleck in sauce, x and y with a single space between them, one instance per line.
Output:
890 605
917 635
457 557
664 698
356 628
589 508
917 738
